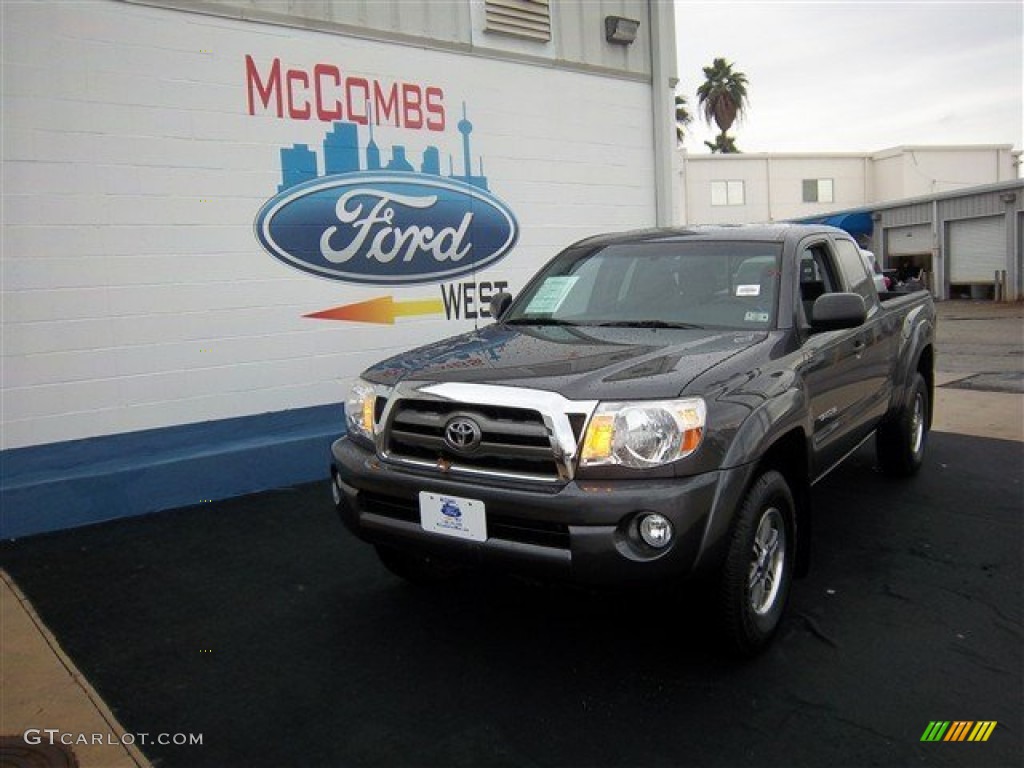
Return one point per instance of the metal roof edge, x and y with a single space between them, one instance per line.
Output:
981 189
880 154
902 148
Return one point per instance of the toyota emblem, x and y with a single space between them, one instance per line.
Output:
462 434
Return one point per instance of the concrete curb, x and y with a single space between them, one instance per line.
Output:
42 688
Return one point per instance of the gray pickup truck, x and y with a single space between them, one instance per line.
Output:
653 405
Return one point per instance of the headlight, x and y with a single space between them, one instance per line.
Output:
360 409
643 434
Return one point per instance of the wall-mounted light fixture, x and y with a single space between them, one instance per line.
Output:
1008 197
876 216
618 29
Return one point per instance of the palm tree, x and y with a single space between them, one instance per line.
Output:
683 118
723 98
723 144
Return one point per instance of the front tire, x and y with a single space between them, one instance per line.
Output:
758 569
900 442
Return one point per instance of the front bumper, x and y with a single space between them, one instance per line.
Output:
583 531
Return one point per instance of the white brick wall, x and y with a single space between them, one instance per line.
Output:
135 294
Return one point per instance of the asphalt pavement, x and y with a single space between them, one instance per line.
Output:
260 624
262 627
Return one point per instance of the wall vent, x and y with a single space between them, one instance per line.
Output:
520 18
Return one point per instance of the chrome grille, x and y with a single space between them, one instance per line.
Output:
512 440
482 429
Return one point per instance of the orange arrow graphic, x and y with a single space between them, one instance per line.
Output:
383 310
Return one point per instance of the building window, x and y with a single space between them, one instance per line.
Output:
519 18
818 191
727 193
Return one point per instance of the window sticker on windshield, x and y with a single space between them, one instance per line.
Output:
748 290
551 295
756 317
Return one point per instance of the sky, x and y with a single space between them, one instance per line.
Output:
859 76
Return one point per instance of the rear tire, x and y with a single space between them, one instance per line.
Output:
758 568
900 441
415 568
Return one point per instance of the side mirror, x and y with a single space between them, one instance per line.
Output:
834 311
499 303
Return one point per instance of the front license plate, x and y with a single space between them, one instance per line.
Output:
453 516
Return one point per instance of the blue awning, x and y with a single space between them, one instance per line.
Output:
854 223
858 224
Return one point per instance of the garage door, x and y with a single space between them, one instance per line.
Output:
907 241
977 248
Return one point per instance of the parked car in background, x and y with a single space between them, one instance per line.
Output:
882 283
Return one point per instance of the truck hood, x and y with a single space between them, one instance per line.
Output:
580 363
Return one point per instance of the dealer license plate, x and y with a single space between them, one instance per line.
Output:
453 516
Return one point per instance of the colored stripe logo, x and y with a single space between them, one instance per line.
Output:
382 310
959 730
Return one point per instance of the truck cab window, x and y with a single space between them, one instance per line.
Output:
817 277
857 276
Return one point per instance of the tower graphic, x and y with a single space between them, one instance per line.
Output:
431 161
298 164
398 161
465 128
372 151
341 151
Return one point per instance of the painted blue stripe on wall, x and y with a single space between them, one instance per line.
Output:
79 482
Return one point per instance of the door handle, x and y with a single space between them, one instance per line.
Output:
858 344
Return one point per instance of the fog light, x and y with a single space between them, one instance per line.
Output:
656 530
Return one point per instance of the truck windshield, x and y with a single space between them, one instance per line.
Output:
726 285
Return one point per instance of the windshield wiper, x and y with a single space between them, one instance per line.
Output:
648 324
538 321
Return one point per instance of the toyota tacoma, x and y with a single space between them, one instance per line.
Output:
653 405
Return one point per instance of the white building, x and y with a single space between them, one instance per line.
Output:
954 213
737 188
216 214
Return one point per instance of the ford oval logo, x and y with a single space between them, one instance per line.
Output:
386 228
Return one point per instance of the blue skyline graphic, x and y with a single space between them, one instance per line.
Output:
341 155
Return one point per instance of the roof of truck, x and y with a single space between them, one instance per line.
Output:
763 232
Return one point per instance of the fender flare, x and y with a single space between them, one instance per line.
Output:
758 434
916 336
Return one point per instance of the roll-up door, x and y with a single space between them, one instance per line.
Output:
906 241
977 248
